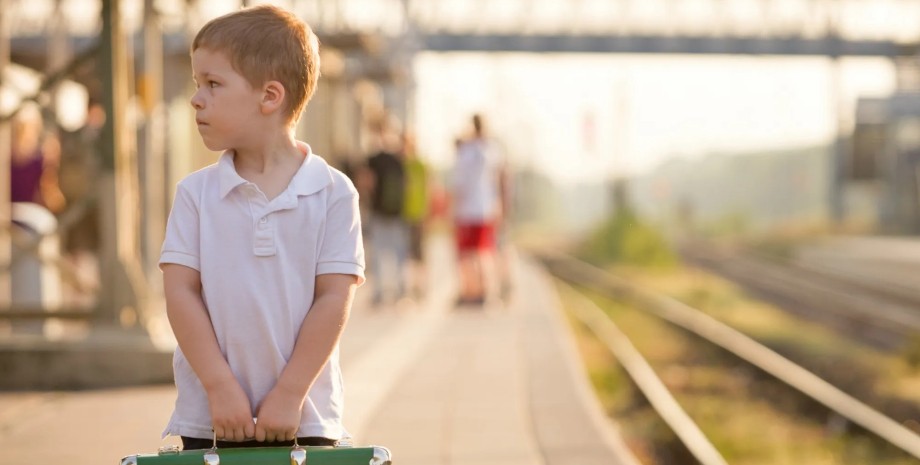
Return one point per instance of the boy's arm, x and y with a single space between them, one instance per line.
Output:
279 413
231 414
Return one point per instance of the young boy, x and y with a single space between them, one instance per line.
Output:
263 249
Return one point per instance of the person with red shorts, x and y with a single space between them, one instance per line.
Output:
477 211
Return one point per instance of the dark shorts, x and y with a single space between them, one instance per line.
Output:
198 443
475 237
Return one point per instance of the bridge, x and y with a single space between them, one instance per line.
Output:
793 27
790 27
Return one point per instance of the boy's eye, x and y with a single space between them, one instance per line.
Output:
212 84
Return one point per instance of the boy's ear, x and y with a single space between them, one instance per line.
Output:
272 97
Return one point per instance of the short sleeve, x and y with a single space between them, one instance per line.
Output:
342 249
181 245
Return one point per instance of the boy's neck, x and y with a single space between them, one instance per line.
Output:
267 155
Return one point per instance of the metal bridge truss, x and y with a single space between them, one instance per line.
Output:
781 27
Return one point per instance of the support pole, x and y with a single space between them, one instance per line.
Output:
6 249
123 284
153 163
838 149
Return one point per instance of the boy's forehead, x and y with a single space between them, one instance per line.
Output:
206 60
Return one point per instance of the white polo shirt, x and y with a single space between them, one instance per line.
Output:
258 261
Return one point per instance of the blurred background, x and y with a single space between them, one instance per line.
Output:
669 141
767 114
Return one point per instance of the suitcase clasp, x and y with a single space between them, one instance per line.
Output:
168 449
298 456
211 457
344 442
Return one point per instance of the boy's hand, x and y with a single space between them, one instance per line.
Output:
231 414
279 416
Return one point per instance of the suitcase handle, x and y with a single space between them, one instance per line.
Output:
298 454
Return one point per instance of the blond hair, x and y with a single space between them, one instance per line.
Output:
267 43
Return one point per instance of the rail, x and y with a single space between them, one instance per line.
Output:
570 269
643 375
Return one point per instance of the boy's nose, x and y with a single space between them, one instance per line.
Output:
197 102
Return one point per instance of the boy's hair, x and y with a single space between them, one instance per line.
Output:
265 43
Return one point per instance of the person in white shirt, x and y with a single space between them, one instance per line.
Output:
263 249
477 205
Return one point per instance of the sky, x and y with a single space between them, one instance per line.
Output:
591 116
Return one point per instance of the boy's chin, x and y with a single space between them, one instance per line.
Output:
215 146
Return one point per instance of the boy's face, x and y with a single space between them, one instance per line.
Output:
226 105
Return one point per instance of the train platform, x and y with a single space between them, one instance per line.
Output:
435 383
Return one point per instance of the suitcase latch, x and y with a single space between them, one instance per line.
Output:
298 456
211 457
168 450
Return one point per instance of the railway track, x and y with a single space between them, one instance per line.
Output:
859 304
714 332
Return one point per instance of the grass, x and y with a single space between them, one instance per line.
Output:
626 238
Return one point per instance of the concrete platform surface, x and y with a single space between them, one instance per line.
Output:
433 383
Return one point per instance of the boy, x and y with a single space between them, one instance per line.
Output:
263 249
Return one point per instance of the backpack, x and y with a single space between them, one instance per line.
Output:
389 193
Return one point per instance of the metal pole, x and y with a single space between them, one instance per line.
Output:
5 215
108 147
118 297
838 152
153 165
59 52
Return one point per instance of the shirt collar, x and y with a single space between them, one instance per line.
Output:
313 175
228 176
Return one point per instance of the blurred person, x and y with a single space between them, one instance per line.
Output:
263 249
34 162
35 199
387 228
415 210
363 180
79 168
477 207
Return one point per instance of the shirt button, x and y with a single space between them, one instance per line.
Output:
263 220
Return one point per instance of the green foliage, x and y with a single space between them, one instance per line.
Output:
912 352
626 239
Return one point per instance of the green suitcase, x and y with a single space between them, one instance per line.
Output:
297 455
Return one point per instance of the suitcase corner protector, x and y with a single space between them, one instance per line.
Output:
382 456
129 460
